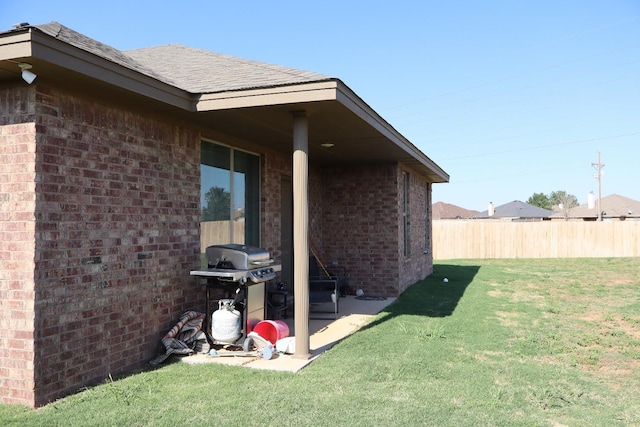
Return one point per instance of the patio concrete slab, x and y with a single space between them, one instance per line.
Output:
324 330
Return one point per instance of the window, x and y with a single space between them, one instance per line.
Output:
427 217
405 212
230 196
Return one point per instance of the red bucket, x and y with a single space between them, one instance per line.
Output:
272 330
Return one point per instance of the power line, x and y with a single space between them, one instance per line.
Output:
523 100
511 176
537 147
519 75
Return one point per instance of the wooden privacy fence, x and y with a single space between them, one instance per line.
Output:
217 232
548 239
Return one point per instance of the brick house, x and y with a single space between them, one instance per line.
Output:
109 160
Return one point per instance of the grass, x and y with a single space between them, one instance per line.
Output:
504 342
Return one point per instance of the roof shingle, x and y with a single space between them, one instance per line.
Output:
201 71
190 69
517 209
73 38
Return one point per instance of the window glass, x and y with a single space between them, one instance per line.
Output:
230 195
405 212
427 217
246 196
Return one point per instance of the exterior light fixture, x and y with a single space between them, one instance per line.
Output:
327 145
27 75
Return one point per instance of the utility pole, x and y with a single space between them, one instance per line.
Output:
598 176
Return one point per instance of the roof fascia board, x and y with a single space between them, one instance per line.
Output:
294 94
15 46
352 101
65 55
44 47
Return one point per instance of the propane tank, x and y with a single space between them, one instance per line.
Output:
226 325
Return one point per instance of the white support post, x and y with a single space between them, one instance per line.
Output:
300 234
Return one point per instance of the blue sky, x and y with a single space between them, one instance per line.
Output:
510 98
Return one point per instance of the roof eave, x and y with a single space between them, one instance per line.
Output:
30 44
359 107
63 62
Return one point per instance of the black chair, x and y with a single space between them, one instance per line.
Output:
326 285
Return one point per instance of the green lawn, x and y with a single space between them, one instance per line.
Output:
504 342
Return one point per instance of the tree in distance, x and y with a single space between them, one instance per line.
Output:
218 202
556 200
540 200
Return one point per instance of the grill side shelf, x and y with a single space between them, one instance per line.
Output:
232 275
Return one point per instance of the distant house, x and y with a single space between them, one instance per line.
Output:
515 211
614 208
448 211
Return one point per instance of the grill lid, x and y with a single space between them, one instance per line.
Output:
237 257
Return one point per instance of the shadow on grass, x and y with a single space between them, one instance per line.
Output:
433 297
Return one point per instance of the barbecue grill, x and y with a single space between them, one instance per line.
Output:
242 269
239 263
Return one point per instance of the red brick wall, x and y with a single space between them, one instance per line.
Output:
355 218
117 232
362 227
360 222
274 167
17 247
418 264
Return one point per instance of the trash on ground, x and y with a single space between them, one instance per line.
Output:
185 338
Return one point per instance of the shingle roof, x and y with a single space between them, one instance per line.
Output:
517 209
613 205
201 71
191 69
90 45
448 211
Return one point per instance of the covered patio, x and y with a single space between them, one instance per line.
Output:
324 333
